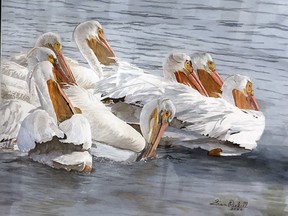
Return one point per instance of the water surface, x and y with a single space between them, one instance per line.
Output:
246 37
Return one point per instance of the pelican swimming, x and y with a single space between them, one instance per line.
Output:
205 69
175 70
213 117
116 139
91 42
55 134
16 95
238 90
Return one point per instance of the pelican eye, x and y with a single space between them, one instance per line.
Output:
249 88
211 65
57 46
165 115
51 58
188 65
100 31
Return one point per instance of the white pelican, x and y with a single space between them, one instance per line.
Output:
106 127
57 135
205 69
90 39
17 99
213 117
174 70
116 139
18 93
238 89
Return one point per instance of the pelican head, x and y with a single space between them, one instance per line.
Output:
177 62
178 67
46 74
154 119
52 41
204 61
241 88
90 39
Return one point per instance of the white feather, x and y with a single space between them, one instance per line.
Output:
105 126
75 158
212 117
38 127
77 130
12 113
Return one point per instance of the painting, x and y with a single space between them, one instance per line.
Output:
144 107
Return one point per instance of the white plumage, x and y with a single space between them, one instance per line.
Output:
12 113
116 139
62 145
213 117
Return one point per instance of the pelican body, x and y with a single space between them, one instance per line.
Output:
55 134
213 117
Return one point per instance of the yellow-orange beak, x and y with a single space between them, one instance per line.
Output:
197 83
62 106
65 74
244 102
160 123
217 77
154 141
101 49
253 102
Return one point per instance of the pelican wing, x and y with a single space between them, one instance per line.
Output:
12 113
13 88
77 130
105 126
213 117
13 82
13 69
85 77
38 127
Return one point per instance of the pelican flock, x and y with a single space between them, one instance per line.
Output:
214 117
53 112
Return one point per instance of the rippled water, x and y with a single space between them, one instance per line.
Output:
247 37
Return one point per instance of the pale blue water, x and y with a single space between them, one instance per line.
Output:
246 37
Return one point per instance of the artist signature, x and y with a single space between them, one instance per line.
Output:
231 204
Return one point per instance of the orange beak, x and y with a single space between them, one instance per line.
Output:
197 83
217 77
101 49
244 102
253 102
62 106
66 75
106 45
154 141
